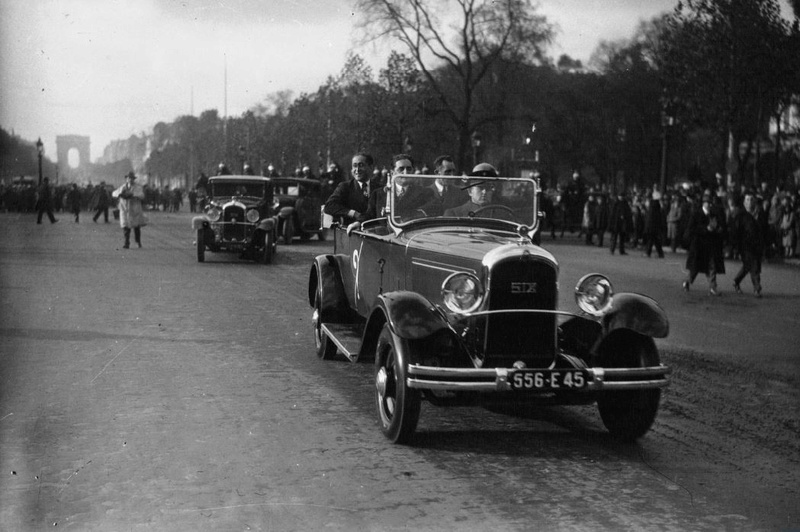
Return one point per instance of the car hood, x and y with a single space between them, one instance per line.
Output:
246 201
476 245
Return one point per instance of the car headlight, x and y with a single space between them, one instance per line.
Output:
594 294
462 292
214 213
252 215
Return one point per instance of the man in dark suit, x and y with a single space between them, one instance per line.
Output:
447 193
350 199
408 196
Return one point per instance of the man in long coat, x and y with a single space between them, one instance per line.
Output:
131 213
705 233
747 238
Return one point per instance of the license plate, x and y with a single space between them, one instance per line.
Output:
526 379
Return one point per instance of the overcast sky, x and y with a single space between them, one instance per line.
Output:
111 68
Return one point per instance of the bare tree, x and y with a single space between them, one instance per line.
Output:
455 43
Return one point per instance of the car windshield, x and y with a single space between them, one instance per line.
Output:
416 197
232 189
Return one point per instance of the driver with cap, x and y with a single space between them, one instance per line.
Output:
479 190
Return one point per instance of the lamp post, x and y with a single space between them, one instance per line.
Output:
667 121
40 150
476 146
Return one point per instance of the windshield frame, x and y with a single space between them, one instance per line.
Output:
530 223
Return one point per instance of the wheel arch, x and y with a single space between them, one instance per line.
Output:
637 313
325 276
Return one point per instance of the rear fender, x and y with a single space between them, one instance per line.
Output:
638 313
325 276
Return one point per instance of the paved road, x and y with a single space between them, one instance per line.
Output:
142 390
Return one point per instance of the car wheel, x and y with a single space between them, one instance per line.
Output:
398 405
201 245
326 349
629 414
288 231
269 245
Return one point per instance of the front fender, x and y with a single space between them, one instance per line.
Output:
638 313
411 316
199 222
286 212
267 224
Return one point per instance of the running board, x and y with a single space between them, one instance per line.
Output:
346 336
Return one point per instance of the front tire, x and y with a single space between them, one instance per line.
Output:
326 349
629 414
201 245
398 405
269 246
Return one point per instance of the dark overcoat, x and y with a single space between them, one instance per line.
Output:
705 235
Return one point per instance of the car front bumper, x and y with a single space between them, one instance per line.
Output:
500 379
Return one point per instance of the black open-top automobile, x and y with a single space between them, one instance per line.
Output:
237 217
458 306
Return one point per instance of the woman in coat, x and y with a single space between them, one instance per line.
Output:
705 234
131 213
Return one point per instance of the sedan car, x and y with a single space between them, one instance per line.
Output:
237 217
298 205
459 306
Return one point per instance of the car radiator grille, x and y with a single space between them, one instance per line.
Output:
526 283
234 231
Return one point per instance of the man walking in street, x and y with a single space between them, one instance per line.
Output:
101 196
747 240
704 234
45 202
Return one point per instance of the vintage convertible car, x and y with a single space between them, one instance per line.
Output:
238 217
298 204
459 306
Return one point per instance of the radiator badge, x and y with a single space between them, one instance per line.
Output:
523 288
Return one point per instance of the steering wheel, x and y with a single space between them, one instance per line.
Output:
499 208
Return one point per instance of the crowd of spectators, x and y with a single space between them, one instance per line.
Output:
658 217
22 197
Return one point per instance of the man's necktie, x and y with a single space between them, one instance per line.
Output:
365 189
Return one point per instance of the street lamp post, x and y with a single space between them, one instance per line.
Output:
666 122
40 150
476 146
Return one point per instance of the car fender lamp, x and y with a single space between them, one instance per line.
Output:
594 294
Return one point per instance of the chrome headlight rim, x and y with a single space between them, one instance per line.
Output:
594 294
462 292
214 213
252 215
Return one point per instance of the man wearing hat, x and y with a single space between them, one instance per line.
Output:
480 194
131 213
102 202
704 234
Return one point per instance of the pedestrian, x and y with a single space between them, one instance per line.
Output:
44 201
746 236
653 221
786 226
589 209
620 222
103 201
131 213
74 201
705 233
600 222
673 221
349 201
